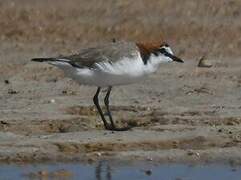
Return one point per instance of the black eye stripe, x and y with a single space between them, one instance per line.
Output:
162 50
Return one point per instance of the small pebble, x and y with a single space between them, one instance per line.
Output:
52 101
3 122
149 159
98 154
204 63
11 91
191 153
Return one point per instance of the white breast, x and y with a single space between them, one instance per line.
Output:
125 66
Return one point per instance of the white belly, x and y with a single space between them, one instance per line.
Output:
103 79
104 74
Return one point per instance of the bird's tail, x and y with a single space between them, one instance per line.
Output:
57 61
44 59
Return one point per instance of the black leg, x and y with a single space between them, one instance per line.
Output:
106 100
96 102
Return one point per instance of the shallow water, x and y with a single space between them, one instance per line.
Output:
105 170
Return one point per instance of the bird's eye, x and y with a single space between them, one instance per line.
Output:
165 45
162 50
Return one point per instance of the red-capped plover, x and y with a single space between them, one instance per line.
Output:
113 64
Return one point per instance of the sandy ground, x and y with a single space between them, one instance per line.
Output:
181 113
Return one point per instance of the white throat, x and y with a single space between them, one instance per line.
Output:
154 62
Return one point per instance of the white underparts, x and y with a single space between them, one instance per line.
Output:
124 71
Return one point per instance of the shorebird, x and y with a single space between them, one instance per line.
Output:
113 64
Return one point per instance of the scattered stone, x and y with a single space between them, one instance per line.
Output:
191 153
175 144
149 159
54 79
11 91
6 81
63 129
197 154
4 123
99 154
52 101
69 92
64 92
203 62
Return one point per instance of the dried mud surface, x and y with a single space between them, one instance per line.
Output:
181 113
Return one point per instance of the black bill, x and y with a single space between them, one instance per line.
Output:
174 58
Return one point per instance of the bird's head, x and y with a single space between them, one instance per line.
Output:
166 54
159 53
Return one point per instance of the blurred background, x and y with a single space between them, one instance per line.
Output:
193 28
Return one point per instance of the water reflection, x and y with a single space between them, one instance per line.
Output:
103 170
107 170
